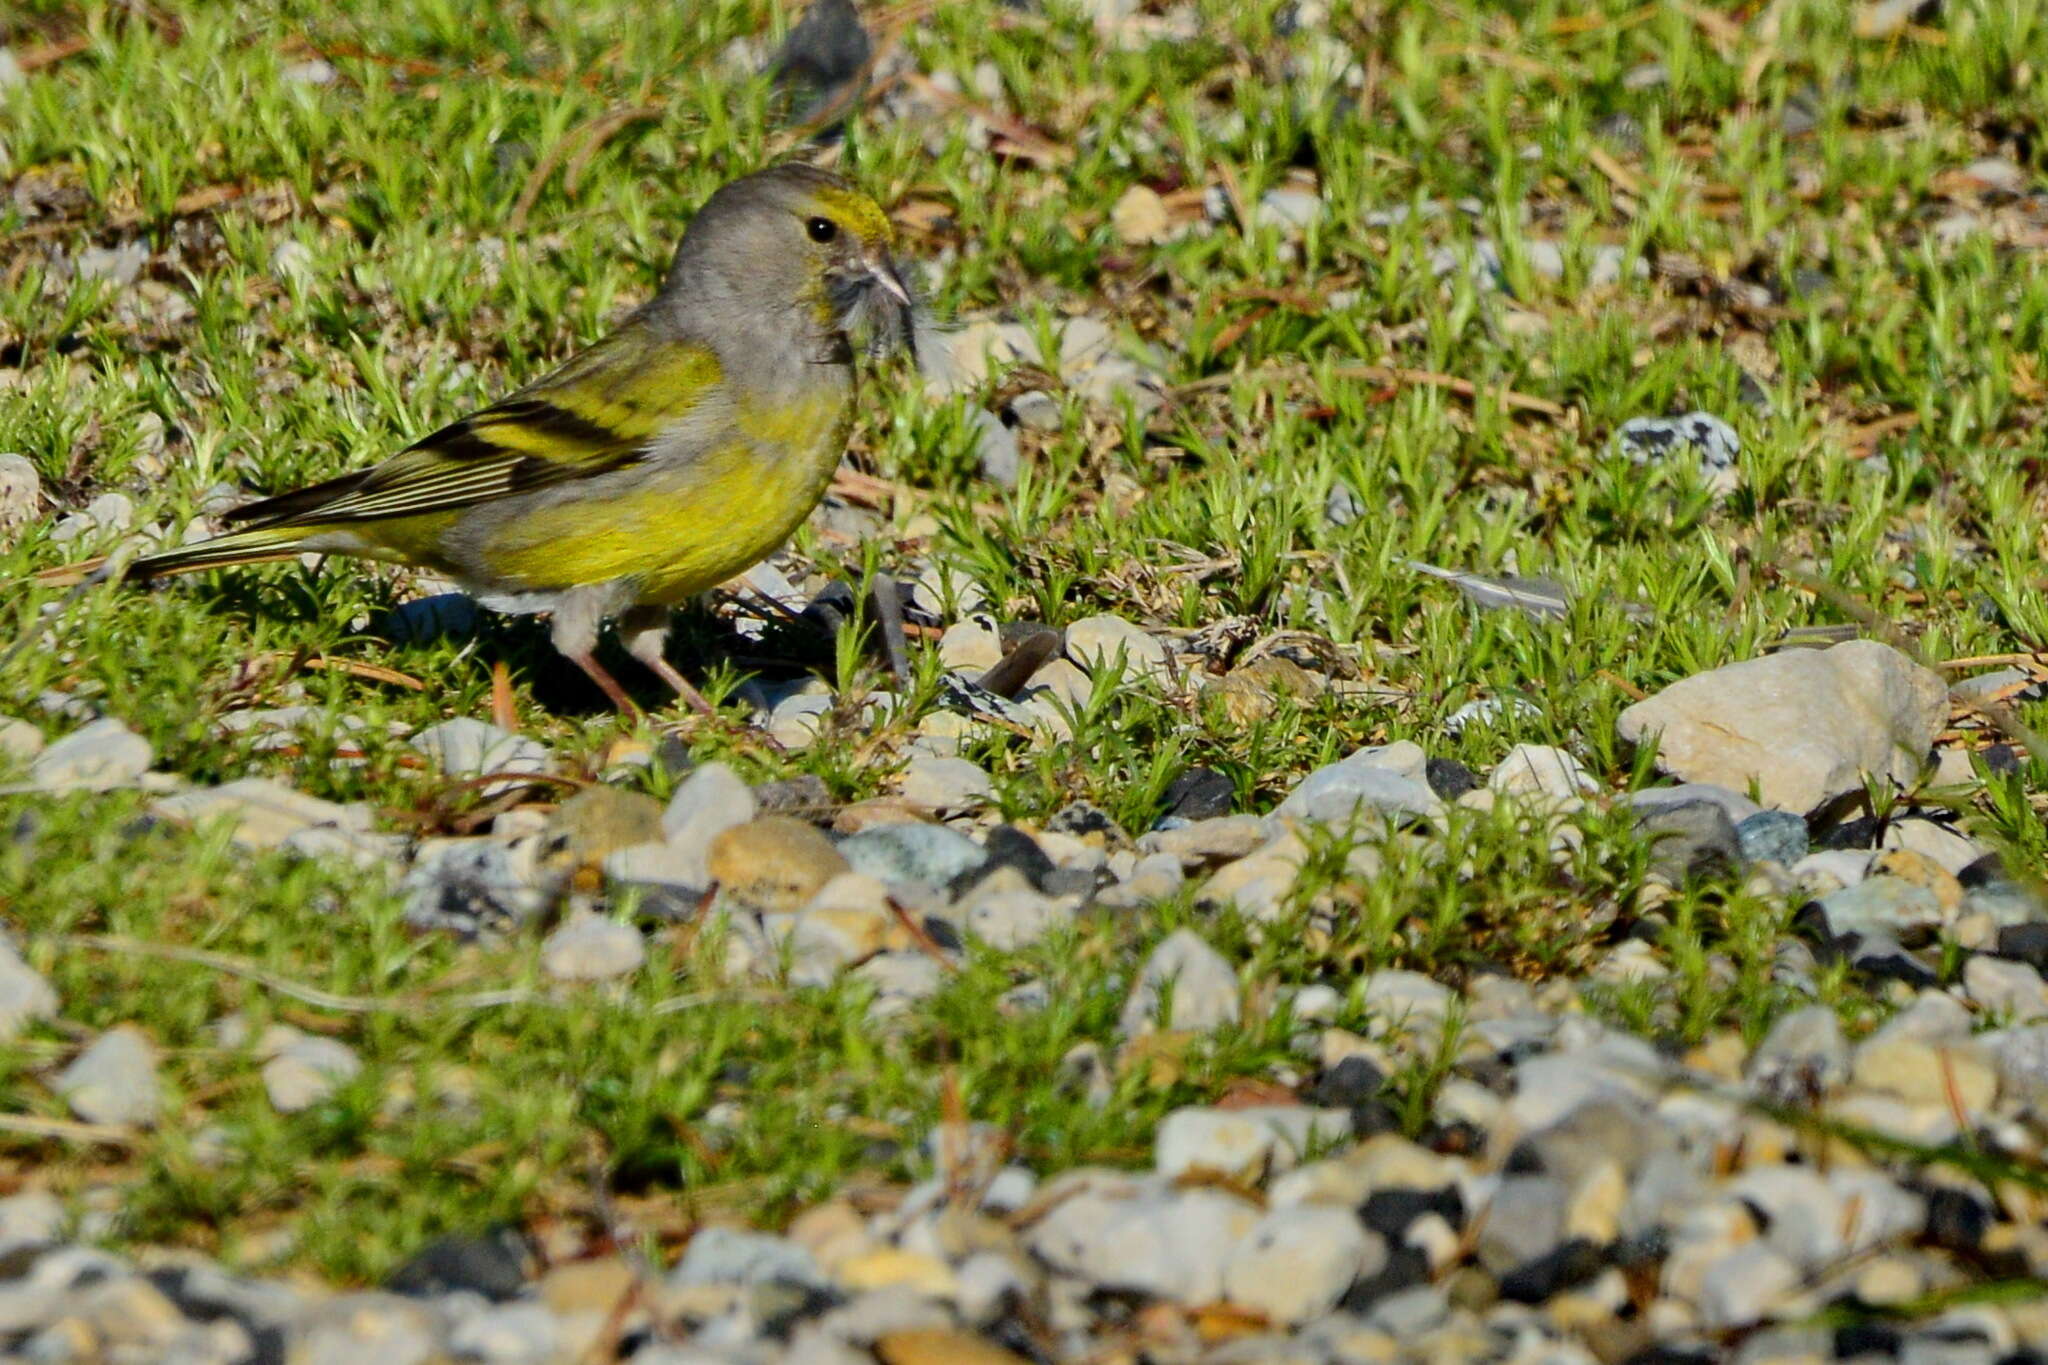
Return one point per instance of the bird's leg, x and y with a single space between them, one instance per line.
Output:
574 633
589 664
645 632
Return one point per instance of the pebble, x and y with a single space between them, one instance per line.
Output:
98 756
1141 1238
1691 839
711 800
1803 1057
913 854
1200 842
466 747
995 449
21 486
945 786
1139 216
262 812
775 863
1772 835
24 995
589 947
474 886
1295 1263
1803 725
1389 781
1882 905
2012 991
114 1080
1037 410
1095 643
1006 912
726 1255
1244 1144
1653 440
973 644
304 1069
1541 770
1202 984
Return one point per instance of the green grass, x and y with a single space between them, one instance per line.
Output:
421 297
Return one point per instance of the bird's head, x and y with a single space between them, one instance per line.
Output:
796 237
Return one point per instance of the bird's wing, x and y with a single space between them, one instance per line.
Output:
599 412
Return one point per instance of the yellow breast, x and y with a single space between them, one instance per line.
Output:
680 529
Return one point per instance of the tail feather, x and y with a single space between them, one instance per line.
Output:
239 547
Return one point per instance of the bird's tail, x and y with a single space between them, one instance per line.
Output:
254 546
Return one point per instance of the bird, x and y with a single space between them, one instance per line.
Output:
669 456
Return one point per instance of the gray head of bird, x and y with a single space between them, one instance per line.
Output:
794 238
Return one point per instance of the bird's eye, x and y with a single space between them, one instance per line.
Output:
822 229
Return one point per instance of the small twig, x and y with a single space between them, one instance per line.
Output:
69 1130
599 131
572 146
353 1004
1381 374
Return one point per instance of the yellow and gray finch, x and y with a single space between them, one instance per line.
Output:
668 457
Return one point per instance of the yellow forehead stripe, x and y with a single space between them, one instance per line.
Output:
857 213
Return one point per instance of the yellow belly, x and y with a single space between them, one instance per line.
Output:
677 532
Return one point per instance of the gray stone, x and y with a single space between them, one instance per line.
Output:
2005 903
264 812
305 1069
1524 1220
995 449
1200 842
724 1255
1803 725
592 948
710 801
1202 982
24 995
1738 806
96 757
1164 1242
2021 1058
32 1218
1691 839
1098 642
1882 905
1541 770
1293 211
2012 990
1772 835
899 980
1037 409
113 1081
466 747
1244 1143
21 487
1741 1286
1006 912
515 1333
474 886
1711 442
1295 1263
350 1329
945 786
1387 781
916 854
1804 1056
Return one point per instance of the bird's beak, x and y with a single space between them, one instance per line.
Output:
882 271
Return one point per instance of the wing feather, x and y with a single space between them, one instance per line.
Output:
599 412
